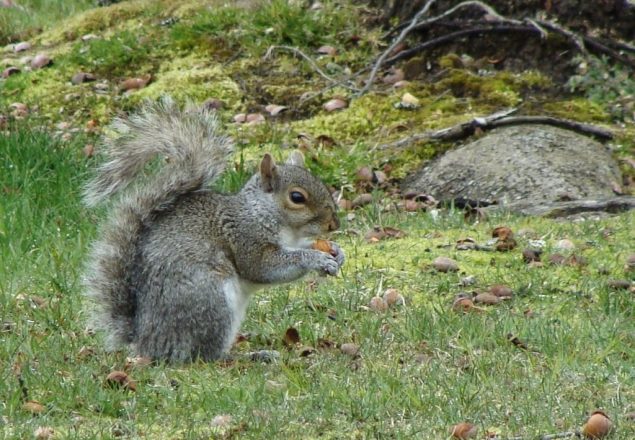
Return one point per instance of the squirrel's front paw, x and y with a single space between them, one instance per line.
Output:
327 264
337 253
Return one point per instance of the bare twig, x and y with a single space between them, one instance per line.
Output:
416 24
334 82
456 35
535 27
394 44
500 119
577 39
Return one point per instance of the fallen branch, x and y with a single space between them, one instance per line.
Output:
500 119
483 27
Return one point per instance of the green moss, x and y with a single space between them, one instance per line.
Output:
192 78
123 53
111 18
577 109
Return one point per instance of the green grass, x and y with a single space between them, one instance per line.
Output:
422 368
253 29
28 17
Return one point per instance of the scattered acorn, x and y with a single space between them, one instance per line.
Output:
350 349
22 46
487 298
120 379
501 291
445 264
378 304
40 60
464 431
392 297
11 70
335 104
530 255
323 246
463 304
362 200
82 77
564 245
597 426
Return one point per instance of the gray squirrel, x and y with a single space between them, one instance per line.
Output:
175 263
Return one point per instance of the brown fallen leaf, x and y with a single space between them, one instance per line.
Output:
43 433
327 50
517 342
33 407
274 109
291 337
306 351
135 83
325 344
464 431
137 362
325 141
502 233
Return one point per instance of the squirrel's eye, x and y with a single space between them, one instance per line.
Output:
297 197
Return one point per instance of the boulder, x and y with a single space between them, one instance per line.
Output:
522 168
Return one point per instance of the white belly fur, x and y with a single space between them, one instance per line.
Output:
237 293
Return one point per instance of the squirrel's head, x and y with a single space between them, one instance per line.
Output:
306 203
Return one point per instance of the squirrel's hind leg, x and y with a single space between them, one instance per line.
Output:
195 313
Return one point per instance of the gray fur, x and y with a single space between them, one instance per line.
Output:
175 263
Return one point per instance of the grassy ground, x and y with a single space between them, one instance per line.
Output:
28 17
421 369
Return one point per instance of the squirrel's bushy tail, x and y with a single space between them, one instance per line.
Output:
195 153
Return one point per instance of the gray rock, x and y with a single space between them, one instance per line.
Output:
522 168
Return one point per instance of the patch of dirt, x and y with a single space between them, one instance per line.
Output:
516 50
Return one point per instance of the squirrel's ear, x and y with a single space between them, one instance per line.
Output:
296 159
267 172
